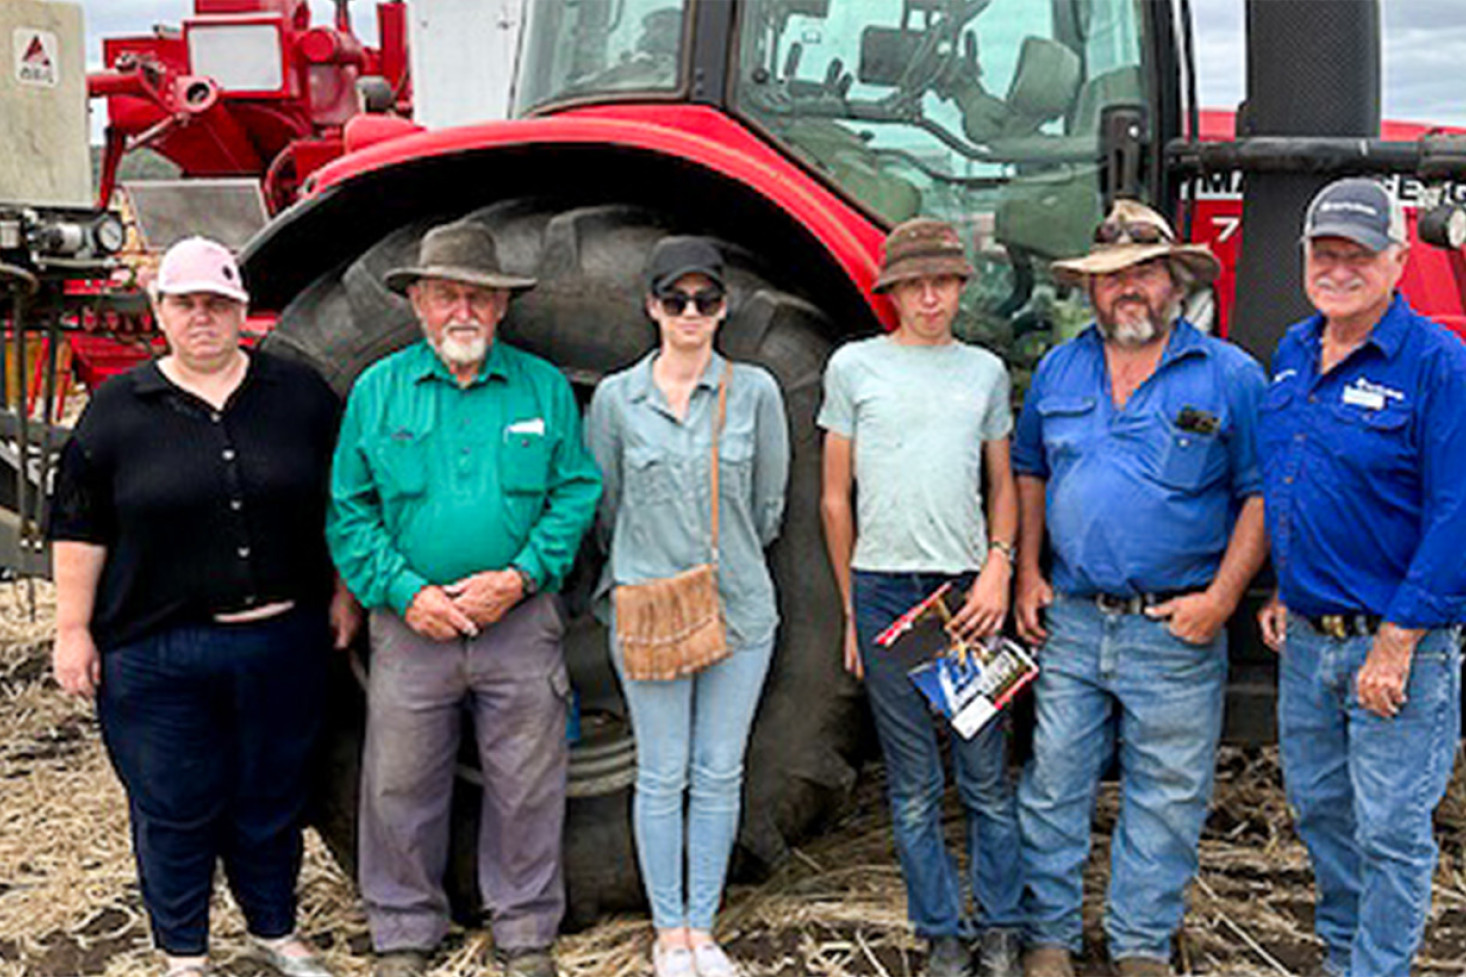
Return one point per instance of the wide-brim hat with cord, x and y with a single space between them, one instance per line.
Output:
921 247
462 251
1131 234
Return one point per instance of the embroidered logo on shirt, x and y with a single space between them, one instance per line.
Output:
1370 395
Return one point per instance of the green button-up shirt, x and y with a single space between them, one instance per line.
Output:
433 482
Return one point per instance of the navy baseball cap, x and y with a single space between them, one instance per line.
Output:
1358 209
673 257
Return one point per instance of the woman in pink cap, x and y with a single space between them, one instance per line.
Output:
195 600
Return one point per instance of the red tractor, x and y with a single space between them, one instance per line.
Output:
797 132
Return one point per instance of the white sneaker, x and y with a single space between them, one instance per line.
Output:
712 961
673 961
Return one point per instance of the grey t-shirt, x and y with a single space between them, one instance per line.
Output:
917 417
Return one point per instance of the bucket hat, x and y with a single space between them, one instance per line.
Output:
462 251
919 247
1131 234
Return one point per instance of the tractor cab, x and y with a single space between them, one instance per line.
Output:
1014 119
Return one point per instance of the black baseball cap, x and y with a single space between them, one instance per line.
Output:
673 257
1358 209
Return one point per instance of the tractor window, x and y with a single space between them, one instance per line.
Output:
591 47
982 112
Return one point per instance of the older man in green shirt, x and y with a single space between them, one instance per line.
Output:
459 496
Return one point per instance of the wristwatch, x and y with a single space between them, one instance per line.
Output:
526 580
1007 549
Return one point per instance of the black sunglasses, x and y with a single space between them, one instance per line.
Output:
1130 232
707 301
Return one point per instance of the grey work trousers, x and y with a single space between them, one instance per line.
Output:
513 678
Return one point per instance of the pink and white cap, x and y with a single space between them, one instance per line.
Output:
197 264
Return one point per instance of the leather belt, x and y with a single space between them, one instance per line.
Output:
1135 603
1342 626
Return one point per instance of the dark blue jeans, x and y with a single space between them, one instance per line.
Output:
915 779
211 728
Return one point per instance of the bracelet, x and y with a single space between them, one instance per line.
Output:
1007 549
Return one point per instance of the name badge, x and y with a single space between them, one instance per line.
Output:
1369 399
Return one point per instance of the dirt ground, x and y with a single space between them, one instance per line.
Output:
69 901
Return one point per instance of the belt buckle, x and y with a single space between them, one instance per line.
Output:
1335 626
1115 604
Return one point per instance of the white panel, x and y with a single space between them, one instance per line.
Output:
239 57
463 57
43 104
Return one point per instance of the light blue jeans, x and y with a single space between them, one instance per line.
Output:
1110 681
691 735
1364 788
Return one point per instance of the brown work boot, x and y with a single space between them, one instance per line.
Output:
1142 967
400 963
1048 961
529 962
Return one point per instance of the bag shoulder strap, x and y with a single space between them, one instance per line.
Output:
718 436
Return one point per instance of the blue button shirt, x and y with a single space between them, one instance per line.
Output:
1366 472
1134 503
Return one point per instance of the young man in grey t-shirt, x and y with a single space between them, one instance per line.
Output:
915 418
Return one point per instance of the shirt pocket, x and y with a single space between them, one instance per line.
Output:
1274 427
1190 460
1066 424
650 474
1374 439
735 466
524 463
399 465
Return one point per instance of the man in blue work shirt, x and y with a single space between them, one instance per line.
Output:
1136 450
1364 449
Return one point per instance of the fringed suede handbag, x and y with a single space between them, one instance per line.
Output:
674 626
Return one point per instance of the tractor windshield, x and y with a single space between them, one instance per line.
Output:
983 112
595 47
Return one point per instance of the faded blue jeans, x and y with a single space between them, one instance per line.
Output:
915 780
1364 788
691 735
1109 681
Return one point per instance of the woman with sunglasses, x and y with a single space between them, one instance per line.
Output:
650 428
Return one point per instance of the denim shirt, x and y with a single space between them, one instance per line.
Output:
1134 502
1366 472
655 516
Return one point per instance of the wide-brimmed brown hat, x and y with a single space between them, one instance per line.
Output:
919 247
462 251
1133 233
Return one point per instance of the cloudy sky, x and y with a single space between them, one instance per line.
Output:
1425 48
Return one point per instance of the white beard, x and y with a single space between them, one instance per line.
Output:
461 352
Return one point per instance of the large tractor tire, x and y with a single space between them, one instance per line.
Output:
586 316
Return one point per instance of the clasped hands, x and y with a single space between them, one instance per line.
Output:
466 606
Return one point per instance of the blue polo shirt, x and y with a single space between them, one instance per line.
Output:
1366 472
1135 503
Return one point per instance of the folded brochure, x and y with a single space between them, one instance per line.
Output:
967 682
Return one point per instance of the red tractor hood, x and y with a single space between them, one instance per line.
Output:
695 134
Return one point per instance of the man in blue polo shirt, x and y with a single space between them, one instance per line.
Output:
1136 451
1364 448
